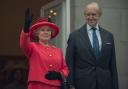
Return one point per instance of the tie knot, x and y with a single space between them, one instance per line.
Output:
93 28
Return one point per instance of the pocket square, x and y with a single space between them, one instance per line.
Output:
108 43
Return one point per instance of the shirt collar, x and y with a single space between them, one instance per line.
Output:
89 27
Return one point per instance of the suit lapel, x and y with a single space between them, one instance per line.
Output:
103 38
86 41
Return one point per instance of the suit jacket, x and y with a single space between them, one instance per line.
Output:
87 72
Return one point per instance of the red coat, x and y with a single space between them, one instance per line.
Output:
42 59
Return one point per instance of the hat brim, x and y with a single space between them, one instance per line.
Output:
36 26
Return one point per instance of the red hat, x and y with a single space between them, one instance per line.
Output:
43 21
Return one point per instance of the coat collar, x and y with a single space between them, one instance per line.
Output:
85 38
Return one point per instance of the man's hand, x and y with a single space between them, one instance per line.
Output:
71 87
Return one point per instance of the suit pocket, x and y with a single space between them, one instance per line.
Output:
108 47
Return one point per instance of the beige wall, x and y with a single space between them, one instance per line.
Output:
11 22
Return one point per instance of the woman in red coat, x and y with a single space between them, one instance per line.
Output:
46 62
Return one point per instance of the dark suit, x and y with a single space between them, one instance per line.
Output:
87 72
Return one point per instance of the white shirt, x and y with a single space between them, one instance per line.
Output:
90 31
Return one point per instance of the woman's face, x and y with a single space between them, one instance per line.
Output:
44 33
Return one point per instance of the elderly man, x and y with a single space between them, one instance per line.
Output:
91 54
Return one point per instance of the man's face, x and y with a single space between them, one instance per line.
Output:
92 15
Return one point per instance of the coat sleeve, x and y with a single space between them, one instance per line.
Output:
70 59
25 43
113 68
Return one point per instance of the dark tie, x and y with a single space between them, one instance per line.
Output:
95 43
